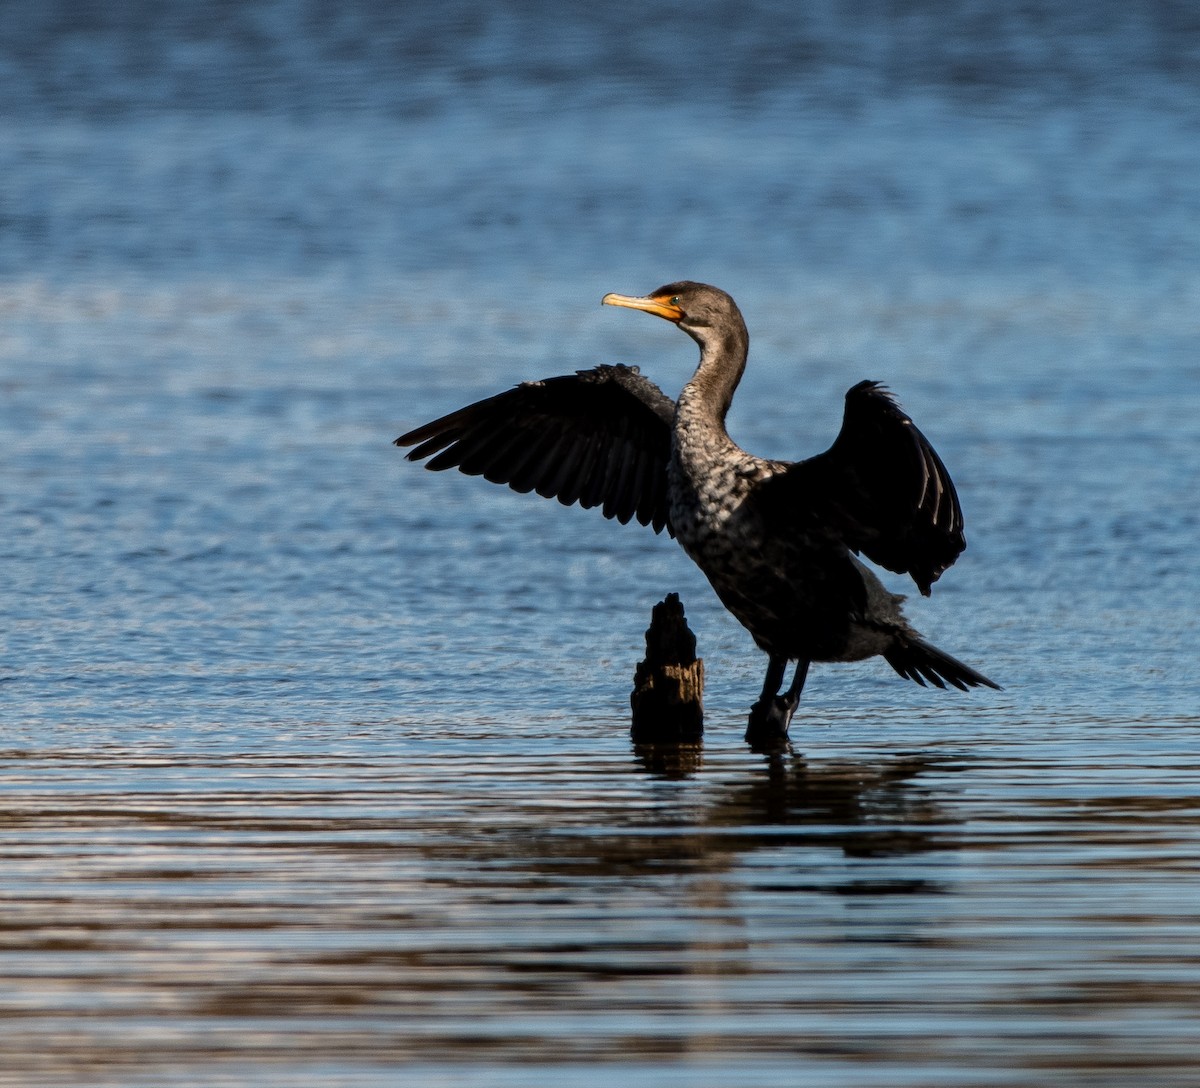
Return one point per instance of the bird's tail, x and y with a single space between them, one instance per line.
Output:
915 659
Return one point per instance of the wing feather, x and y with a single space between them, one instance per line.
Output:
621 486
882 489
599 437
533 468
573 487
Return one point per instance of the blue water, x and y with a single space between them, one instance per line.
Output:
315 766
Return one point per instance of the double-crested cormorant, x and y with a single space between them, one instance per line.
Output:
777 539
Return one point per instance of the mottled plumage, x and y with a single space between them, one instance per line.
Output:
776 539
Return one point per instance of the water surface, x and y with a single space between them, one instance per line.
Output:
315 766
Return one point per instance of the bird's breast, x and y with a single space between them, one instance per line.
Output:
712 492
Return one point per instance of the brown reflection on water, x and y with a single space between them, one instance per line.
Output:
911 912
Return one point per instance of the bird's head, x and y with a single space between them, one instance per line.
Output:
694 307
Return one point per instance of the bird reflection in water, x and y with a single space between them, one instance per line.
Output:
869 808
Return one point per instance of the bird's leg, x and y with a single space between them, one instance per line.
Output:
772 714
793 693
776 667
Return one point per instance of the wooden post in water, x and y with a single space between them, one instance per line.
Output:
668 687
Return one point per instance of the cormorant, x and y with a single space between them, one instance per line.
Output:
777 540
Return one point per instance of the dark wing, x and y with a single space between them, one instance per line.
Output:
883 489
600 437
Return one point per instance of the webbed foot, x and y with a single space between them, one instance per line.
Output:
769 721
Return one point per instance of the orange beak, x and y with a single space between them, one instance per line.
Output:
661 305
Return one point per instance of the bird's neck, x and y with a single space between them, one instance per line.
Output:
706 398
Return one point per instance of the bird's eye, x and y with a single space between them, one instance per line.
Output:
674 300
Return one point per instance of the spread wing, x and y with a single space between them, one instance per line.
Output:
600 437
882 488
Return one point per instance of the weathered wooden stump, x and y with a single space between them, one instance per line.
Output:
668 687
